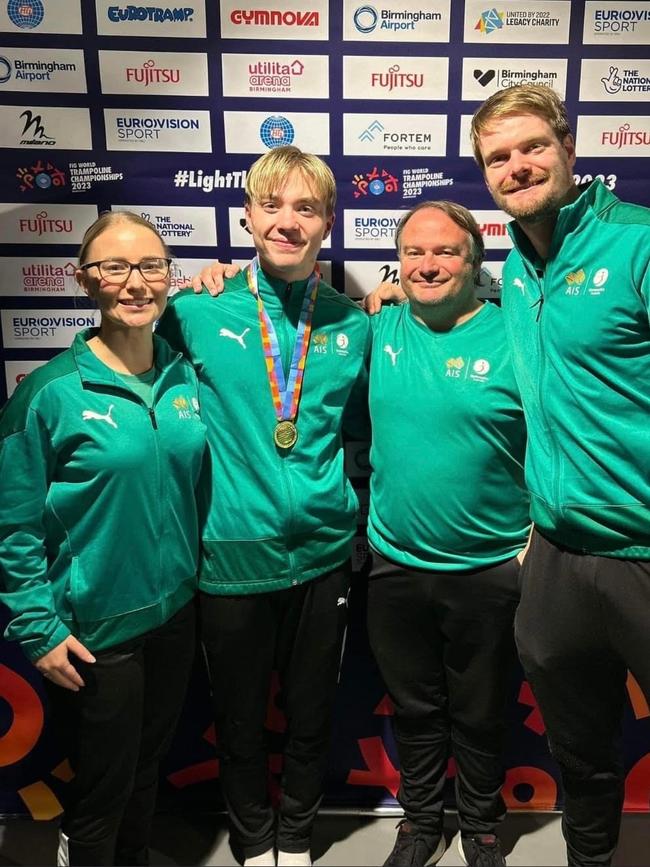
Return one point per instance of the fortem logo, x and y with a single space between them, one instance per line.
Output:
490 21
27 16
155 14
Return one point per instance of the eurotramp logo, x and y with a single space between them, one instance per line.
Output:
25 15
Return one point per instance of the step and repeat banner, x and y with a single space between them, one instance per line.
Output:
160 108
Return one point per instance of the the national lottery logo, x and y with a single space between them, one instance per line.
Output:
376 182
42 175
26 15
277 131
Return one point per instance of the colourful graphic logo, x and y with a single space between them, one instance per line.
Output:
490 21
40 176
376 183
455 363
575 278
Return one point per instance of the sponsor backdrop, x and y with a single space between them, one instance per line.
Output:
160 108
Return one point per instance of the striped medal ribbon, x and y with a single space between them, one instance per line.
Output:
285 393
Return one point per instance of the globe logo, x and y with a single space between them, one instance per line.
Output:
365 19
5 70
25 15
43 181
277 131
376 187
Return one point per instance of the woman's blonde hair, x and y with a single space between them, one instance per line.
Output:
112 218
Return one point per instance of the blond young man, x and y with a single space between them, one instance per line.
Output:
280 513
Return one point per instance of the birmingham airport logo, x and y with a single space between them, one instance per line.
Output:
490 21
5 70
25 15
365 19
277 131
369 132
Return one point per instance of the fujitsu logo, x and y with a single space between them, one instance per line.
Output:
394 78
148 74
274 17
624 136
41 224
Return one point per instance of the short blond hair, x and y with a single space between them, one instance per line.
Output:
519 99
109 219
270 172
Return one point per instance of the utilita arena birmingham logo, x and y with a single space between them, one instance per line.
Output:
277 131
25 15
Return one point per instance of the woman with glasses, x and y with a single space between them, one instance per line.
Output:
100 454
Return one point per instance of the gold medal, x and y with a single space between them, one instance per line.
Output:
285 434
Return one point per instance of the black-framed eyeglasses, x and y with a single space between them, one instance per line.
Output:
119 270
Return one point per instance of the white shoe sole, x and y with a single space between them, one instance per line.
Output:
440 851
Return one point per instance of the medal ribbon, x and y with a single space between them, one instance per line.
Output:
285 394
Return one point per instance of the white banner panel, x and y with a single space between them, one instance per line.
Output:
483 76
155 73
44 329
52 70
46 16
615 80
254 132
45 127
525 22
395 77
613 136
150 129
398 21
616 22
179 226
45 224
45 276
288 76
302 20
160 19
395 134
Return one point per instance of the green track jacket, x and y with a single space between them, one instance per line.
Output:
99 533
580 338
274 518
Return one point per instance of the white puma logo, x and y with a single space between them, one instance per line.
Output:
225 332
393 353
341 601
89 414
517 282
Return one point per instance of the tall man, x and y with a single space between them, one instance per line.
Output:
576 299
448 516
280 514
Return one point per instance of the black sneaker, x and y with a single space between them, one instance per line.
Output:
412 849
481 850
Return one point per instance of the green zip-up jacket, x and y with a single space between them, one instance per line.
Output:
447 490
274 518
99 532
580 337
